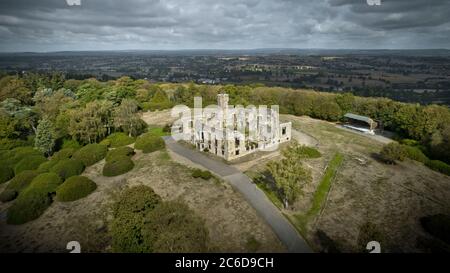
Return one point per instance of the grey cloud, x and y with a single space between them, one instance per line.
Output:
51 25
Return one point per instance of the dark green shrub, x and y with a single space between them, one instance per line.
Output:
409 142
74 188
415 153
173 227
308 152
6 173
118 165
19 153
167 128
8 195
117 140
121 151
67 168
393 152
438 166
437 225
31 162
46 166
128 221
64 154
91 154
149 143
70 143
197 173
22 180
34 200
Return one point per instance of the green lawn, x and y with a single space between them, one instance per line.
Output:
157 131
321 192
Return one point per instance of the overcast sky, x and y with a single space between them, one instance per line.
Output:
53 25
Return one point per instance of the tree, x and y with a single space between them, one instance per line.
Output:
91 123
345 102
126 118
290 177
45 140
14 87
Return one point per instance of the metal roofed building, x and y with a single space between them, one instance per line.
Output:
360 123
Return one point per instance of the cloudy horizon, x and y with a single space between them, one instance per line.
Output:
53 25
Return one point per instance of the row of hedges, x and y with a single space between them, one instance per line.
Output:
393 152
144 223
34 199
17 184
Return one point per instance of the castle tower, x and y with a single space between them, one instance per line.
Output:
222 101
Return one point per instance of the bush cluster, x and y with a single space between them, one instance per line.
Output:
392 152
6 173
64 153
144 223
149 143
121 151
91 154
198 173
438 166
118 165
34 199
46 166
117 140
129 212
74 188
67 168
398 152
31 162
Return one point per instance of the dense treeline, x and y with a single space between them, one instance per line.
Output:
89 110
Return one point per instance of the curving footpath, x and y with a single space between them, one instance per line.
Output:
254 196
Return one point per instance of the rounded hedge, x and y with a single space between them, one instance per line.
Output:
91 154
31 162
34 200
438 166
46 166
22 180
8 195
117 140
67 168
118 165
63 154
149 143
6 173
121 151
20 153
74 188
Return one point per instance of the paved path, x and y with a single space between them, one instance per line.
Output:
254 196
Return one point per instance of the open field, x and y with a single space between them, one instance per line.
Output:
233 225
